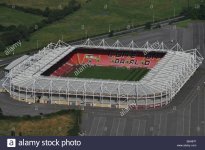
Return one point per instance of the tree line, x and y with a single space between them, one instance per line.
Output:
196 13
12 34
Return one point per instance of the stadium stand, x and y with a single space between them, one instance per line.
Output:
106 58
34 79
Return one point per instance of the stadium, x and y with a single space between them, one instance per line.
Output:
101 75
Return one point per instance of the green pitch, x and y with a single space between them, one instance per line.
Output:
109 73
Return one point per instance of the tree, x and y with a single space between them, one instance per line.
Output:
46 12
148 25
23 30
111 33
201 13
1 112
195 13
11 37
11 28
20 133
2 28
2 48
13 133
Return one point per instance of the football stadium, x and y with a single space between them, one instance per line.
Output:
102 75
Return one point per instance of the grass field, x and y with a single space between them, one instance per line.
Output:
39 4
97 16
111 73
184 24
9 16
57 124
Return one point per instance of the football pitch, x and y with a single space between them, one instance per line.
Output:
109 73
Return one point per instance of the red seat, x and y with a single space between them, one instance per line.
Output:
104 58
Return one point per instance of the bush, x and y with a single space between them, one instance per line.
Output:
23 30
54 15
15 34
20 133
2 28
11 37
2 48
13 133
76 127
194 13
46 12
1 112
201 13
111 33
148 25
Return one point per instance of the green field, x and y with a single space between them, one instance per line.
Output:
97 15
9 16
39 4
185 23
110 73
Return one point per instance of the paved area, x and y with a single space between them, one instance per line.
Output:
16 108
185 116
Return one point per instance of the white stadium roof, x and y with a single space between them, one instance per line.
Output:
170 74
